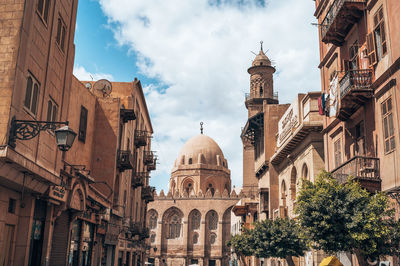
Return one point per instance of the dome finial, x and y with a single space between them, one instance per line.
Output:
261 42
201 127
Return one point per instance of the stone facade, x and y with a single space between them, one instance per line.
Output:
359 63
191 224
83 206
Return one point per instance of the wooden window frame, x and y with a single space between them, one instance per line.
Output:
43 9
375 52
388 134
52 110
337 151
32 92
83 124
61 33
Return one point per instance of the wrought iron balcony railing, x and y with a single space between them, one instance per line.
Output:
125 160
355 90
140 138
135 228
139 179
342 15
248 96
148 193
145 233
150 160
363 169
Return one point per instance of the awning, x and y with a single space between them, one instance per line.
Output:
331 261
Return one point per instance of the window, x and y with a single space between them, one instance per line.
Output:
190 161
213 238
359 136
211 188
43 9
337 147
153 220
12 203
376 40
175 227
353 52
61 32
189 188
31 94
195 221
212 220
388 127
52 110
195 238
83 124
153 238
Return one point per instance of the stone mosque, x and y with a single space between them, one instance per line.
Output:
191 224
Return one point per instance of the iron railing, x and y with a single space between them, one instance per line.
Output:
150 159
359 167
148 193
332 13
125 160
360 80
140 138
248 96
139 179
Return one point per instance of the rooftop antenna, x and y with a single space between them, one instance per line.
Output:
201 127
261 42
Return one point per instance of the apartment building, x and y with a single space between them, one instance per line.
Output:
86 205
359 63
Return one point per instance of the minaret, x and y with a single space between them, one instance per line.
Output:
261 84
261 89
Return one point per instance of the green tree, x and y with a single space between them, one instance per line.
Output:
242 244
344 217
278 238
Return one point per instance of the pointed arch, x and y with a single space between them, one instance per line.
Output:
194 219
293 183
152 218
172 221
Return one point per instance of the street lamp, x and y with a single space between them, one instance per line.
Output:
28 129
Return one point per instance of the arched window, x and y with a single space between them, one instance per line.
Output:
174 227
190 160
189 188
195 238
153 238
304 172
212 220
213 238
211 188
195 220
261 91
153 219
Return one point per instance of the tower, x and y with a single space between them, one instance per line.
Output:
261 84
261 90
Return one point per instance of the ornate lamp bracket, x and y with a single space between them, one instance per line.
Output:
395 194
28 129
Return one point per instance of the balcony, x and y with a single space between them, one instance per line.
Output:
150 159
355 90
140 138
148 194
124 160
127 115
144 233
135 228
139 179
365 170
341 17
258 99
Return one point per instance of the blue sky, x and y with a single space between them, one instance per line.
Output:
192 58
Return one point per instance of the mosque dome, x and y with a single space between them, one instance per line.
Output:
201 149
261 60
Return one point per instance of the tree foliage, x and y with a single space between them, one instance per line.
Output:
338 217
242 244
278 238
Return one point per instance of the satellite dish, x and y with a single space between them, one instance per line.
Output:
88 85
104 86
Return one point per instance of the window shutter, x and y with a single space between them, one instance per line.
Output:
383 36
371 49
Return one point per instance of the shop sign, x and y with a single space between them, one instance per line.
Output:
289 120
112 235
58 193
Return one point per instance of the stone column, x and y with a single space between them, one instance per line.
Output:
203 237
185 236
219 238
158 241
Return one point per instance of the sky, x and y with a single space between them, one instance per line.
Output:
192 58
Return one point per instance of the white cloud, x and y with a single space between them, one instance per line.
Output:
200 53
82 74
